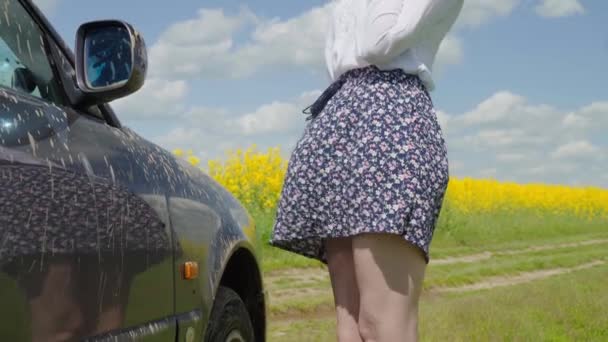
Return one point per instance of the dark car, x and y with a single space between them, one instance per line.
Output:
104 235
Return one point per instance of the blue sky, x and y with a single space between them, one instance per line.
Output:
521 90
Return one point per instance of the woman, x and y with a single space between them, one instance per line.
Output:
366 181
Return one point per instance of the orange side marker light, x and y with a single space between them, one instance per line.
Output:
190 270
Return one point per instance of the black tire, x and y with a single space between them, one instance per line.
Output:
229 319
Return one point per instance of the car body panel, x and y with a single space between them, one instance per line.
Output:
106 219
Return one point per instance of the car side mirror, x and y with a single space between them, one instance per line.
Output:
111 60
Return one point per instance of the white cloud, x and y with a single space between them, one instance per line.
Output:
576 149
496 108
593 117
276 117
478 12
47 7
456 165
451 52
559 8
575 121
503 138
488 173
529 142
211 26
181 137
267 119
508 119
298 41
511 157
205 46
213 131
203 142
443 119
198 46
542 171
158 98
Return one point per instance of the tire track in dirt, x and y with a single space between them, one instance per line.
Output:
521 278
294 285
487 255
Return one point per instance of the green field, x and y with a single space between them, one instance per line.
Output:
498 277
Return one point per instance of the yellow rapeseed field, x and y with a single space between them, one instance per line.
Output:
256 179
481 195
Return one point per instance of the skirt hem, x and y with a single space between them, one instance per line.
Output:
289 245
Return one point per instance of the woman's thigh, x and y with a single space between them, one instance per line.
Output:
389 272
342 274
344 284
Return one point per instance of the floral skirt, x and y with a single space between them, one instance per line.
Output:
374 160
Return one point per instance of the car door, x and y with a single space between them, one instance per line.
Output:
85 238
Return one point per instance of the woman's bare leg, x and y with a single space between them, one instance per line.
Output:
389 274
344 285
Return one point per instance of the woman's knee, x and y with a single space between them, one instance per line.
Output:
348 333
369 324
396 322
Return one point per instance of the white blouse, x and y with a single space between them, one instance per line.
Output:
390 34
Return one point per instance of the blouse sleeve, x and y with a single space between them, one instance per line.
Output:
390 27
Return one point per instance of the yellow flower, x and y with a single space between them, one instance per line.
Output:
193 160
178 152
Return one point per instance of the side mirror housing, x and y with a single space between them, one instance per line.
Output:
111 61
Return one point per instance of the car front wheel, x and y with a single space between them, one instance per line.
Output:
229 321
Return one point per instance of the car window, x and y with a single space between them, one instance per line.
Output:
24 63
66 68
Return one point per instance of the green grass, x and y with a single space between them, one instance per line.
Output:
304 330
302 306
457 233
569 307
563 308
